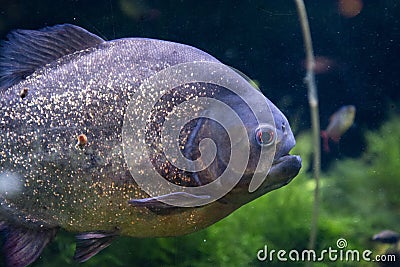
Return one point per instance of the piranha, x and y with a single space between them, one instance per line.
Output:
64 98
339 123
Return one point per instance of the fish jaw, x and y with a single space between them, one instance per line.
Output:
282 172
284 167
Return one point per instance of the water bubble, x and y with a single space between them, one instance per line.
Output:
10 184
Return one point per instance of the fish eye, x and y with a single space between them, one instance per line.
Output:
265 135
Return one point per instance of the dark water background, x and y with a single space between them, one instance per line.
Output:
263 40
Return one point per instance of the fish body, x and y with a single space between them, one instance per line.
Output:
387 236
339 123
65 95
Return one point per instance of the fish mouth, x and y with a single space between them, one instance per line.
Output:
283 170
285 158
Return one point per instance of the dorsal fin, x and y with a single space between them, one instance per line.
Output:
28 50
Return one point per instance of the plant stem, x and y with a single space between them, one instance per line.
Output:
313 102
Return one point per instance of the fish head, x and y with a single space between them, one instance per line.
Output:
350 113
211 137
254 153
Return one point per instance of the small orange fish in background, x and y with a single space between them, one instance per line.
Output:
350 8
339 123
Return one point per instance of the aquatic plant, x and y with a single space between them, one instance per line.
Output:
369 186
358 199
315 125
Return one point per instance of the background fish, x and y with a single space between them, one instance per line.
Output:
387 236
339 123
64 96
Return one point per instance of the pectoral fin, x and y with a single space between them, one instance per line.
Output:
183 199
90 243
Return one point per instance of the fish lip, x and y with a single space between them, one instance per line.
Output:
285 168
285 158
